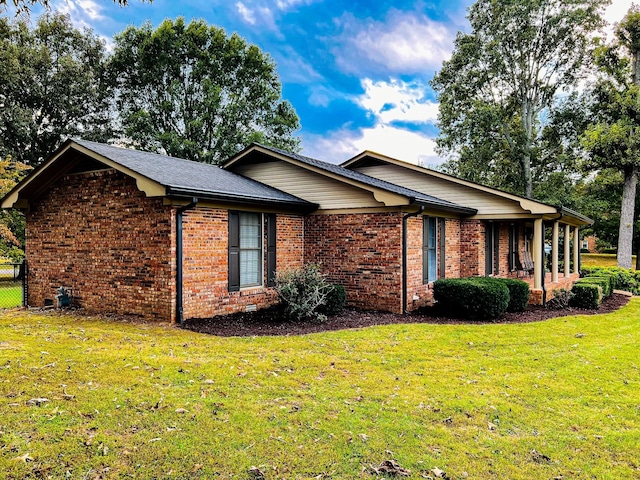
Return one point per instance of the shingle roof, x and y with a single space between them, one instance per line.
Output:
187 177
419 197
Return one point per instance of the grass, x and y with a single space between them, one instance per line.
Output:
555 399
603 260
10 295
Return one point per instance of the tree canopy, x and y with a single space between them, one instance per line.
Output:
613 139
51 87
502 77
194 92
27 5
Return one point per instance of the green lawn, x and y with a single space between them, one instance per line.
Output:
602 260
555 399
10 295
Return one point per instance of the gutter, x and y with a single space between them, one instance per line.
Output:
179 299
404 255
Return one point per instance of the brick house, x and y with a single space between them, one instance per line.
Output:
146 234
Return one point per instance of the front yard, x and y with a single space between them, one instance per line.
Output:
89 398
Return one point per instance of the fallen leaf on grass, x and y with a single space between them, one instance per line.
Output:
539 457
390 467
24 458
181 410
256 474
37 401
439 473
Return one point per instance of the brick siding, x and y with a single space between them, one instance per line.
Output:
363 252
100 235
206 263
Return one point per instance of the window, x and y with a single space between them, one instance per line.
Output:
246 250
429 249
585 245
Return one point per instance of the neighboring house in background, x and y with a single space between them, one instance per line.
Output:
589 243
139 233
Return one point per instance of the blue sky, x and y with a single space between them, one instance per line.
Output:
357 72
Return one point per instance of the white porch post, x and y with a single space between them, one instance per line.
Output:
537 253
567 250
554 251
576 250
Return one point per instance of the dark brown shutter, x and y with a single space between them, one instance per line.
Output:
443 239
425 249
488 249
271 249
234 251
496 248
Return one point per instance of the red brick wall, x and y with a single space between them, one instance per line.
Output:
98 234
452 248
206 264
415 261
363 252
472 238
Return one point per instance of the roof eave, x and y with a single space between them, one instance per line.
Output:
242 200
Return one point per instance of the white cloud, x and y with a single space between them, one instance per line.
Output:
246 14
342 144
294 68
398 101
405 42
287 4
617 10
82 12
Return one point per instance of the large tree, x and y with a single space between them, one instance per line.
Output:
503 76
194 92
613 140
26 5
51 87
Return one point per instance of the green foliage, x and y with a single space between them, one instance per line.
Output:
603 281
51 87
335 301
501 77
194 92
586 295
518 294
561 299
303 292
472 298
621 278
24 6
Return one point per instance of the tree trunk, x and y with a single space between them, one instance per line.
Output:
527 125
625 237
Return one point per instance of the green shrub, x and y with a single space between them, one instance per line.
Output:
335 301
561 299
622 278
518 293
604 281
303 291
472 298
586 295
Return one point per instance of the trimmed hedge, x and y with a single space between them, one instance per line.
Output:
603 281
518 293
586 295
622 278
472 298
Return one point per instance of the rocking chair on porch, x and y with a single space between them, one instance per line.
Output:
525 264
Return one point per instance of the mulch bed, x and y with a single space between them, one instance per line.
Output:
269 321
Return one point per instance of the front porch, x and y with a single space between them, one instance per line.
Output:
542 281
537 294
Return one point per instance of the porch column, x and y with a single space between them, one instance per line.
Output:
538 268
567 250
554 251
576 250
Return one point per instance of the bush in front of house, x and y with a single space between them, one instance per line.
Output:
604 281
586 295
561 299
335 301
303 292
518 293
472 298
622 278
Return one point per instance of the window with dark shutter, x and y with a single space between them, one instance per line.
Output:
513 247
271 250
429 249
245 250
442 238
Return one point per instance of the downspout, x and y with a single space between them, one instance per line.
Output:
543 270
179 301
404 255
